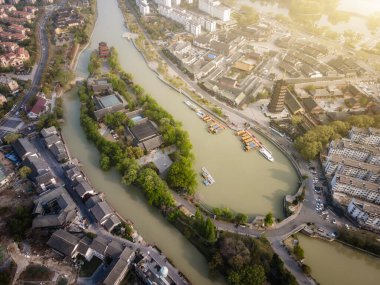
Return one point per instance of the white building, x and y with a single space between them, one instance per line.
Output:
193 23
366 215
143 7
348 149
167 3
215 9
357 188
336 165
369 136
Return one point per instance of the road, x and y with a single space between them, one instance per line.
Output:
35 86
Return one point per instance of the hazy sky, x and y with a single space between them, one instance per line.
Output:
364 7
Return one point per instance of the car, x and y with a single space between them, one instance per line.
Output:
333 221
347 226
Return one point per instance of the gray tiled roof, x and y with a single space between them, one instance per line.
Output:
101 210
111 222
99 245
23 147
63 242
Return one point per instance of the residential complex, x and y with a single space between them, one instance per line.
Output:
215 9
352 165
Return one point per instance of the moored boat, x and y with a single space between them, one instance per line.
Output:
266 153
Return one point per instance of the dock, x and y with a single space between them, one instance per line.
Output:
249 141
213 125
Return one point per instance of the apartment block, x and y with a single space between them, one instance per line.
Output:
370 136
215 9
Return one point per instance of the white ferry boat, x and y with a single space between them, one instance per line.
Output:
190 105
208 180
266 153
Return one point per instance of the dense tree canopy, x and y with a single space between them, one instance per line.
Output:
312 142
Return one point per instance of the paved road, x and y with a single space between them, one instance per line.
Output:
35 86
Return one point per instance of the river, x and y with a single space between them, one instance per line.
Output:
333 263
245 182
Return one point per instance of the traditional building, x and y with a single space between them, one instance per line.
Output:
277 103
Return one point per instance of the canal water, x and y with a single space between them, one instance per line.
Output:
245 182
333 263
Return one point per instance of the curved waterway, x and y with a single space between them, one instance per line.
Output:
245 182
333 263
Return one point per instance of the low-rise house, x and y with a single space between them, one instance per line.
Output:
145 135
51 140
99 246
18 29
12 36
83 188
99 86
64 243
107 104
101 212
47 132
9 84
9 46
114 249
59 151
3 100
8 8
24 148
31 9
40 107
73 173
312 106
41 174
92 201
119 267
54 209
111 223
84 248
23 15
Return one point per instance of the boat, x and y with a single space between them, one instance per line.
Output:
208 180
190 105
200 114
266 153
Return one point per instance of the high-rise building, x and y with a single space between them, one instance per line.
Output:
215 9
277 103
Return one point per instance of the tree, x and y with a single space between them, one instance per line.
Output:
241 218
24 171
10 138
296 120
105 162
216 263
181 176
246 16
268 219
298 252
306 269
210 232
